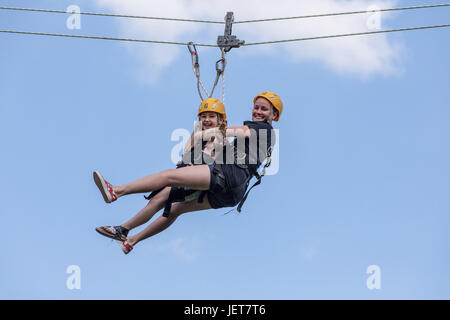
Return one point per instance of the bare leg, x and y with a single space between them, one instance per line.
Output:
193 177
162 223
143 216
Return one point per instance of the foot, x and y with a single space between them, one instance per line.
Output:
105 188
125 246
117 232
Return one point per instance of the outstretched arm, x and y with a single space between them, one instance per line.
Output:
239 131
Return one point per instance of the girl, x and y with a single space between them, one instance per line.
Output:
224 183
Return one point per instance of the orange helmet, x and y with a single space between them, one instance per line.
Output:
213 105
274 99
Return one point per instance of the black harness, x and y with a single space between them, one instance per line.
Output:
258 178
179 194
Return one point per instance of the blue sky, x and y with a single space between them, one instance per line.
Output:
363 179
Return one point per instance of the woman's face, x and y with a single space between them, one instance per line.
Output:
208 119
262 110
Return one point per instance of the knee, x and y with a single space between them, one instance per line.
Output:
174 215
157 200
177 210
160 198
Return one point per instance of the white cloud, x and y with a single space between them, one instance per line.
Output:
180 247
360 55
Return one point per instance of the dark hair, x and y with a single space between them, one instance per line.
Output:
275 110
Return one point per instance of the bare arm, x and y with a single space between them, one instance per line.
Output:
213 133
196 134
240 132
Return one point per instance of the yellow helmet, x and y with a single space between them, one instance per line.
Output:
274 99
213 105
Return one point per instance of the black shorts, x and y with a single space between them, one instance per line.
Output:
231 189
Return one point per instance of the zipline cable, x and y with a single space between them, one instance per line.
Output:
235 22
103 38
111 15
215 45
347 35
346 13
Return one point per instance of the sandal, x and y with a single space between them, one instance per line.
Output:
117 232
125 246
105 188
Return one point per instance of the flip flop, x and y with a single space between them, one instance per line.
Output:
114 232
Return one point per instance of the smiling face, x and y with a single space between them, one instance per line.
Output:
263 110
209 120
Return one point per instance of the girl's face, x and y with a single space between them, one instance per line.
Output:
209 120
262 110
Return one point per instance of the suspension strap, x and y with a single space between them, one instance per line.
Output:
220 71
225 44
196 67
223 77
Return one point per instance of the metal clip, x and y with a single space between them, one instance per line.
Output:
218 69
194 55
192 49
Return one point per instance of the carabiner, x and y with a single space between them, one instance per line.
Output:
220 70
193 51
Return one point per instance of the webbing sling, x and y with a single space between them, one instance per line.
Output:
258 177
177 194
154 193
169 200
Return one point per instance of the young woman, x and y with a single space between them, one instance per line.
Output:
211 114
224 183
